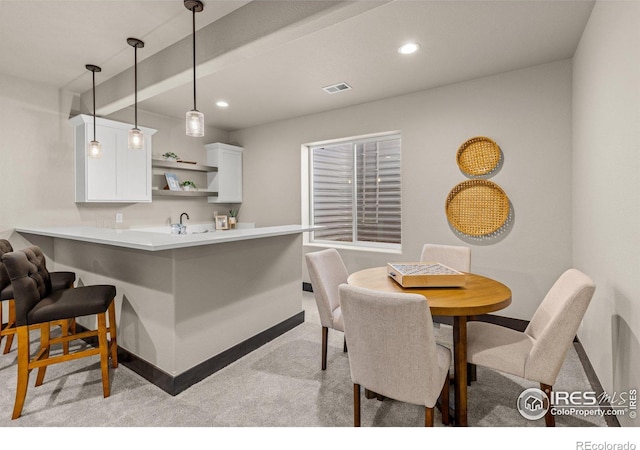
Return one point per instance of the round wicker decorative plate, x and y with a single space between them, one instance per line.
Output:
477 207
478 156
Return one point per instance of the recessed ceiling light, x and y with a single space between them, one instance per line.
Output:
222 104
408 48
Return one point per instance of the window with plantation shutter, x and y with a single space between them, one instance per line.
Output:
355 192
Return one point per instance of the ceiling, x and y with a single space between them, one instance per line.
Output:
270 59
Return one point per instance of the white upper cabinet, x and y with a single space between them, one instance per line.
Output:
227 181
120 175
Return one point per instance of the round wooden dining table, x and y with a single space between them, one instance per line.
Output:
479 295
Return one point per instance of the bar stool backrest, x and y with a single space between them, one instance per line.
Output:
5 281
30 279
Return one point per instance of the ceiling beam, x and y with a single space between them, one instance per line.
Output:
251 30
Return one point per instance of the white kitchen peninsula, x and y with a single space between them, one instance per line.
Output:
187 305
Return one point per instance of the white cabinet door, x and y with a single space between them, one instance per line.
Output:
227 181
121 174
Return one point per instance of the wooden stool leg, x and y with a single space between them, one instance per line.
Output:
356 405
428 416
325 335
11 323
64 326
45 330
23 370
1 334
113 340
103 346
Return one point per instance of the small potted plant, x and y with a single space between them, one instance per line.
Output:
233 218
188 185
170 156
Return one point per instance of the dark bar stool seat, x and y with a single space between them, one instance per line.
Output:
37 304
59 281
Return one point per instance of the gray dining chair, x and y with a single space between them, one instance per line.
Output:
537 354
393 350
455 256
327 271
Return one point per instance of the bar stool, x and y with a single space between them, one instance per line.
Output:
59 281
37 304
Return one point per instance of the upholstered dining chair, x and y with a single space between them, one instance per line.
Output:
393 350
37 304
537 354
59 280
455 256
327 272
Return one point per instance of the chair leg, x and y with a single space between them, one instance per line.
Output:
11 323
113 341
356 405
428 416
549 419
325 335
103 347
444 401
344 346
472 373
23 370
45 335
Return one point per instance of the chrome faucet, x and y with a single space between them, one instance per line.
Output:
179 228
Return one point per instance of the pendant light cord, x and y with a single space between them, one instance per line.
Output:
135 84
93 72
193 10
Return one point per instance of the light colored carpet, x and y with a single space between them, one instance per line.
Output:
278 385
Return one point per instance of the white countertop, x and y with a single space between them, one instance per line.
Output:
151 241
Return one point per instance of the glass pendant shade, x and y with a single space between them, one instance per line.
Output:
195 123
136 139
94 149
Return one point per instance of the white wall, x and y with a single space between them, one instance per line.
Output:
36 160
528 113
606 190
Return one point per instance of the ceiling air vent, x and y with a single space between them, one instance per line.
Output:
336 88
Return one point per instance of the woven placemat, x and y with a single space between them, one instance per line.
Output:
477 207
478 156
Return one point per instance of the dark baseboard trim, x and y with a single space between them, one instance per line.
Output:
306 287
174 385
611 421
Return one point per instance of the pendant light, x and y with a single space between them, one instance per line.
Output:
94 149
136 138
195 119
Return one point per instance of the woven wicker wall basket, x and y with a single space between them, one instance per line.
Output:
479 156
477 207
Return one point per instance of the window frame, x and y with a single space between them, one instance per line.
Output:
308 194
